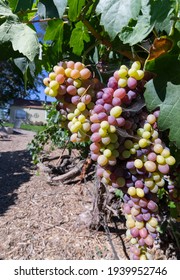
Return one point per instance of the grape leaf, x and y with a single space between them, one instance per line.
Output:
22 37
169 117
114 14
5 11
54 32
20 5
78 37
51 9
75 7
152 12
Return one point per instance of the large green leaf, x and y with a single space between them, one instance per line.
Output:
116 14
22 37
20 5
5 11
51 8
152 13
54 33
75 7
78 37
169 117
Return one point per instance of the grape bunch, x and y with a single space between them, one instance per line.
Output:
72 85
125 142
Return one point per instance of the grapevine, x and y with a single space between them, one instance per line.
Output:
125 142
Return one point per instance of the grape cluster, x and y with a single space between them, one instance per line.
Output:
73 86
125 142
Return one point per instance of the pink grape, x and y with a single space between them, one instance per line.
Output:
132 83
94 156
164 169
94 118
134 232
102 116
99 94
112 120
86 99
75 99
60 78
146 216
143 232
95 137
127 209
149 240
100 101
120 121
71 90
95 127
120 93
107 107
116 101
152 206
98 109
95 147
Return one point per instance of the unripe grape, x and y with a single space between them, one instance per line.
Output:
126 154
53 93
143 143
68 72
151 119
170 160
106 140
122 82
139 192
138 163
128 144
81 106
146 135
54 85
143 257
139 225
122 73
135 211
130 223
107 153
150 166
102 160
150 228
147 127
131 191
133 241
102 132
165 153
153 222
104 125
116 111
52 76
86 126
121 182
158 148
160 159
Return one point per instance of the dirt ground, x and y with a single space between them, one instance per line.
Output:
41 221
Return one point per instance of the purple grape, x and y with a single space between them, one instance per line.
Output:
131 94
132 83
98 109
139 218
112 120
130 164
139 184
116 101
102 116
99 94
100 101
107 107
120 121
95 127
144 210
146 216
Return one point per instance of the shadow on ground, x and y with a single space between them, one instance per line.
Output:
14 170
